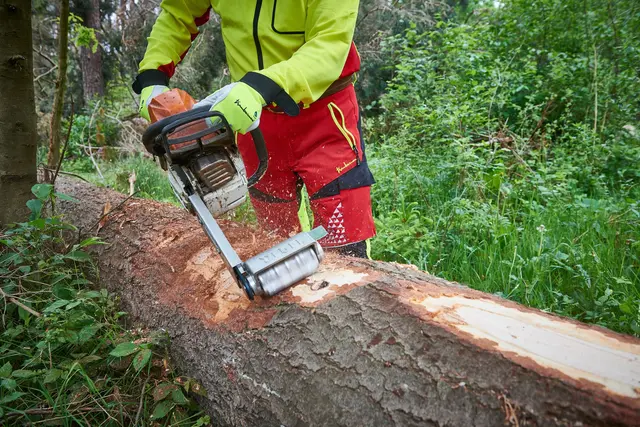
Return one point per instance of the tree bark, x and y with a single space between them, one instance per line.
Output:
53 156
91 63
18 137
360 343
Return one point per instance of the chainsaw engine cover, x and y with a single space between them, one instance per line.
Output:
197 147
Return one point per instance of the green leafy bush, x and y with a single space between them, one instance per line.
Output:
507 158
64 356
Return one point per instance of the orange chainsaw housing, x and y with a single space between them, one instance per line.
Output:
173 102
169 103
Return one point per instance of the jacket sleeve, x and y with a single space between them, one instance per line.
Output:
319 62
172 34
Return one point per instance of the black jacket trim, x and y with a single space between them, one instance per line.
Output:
271 92
149 78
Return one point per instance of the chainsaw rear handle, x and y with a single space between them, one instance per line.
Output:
155 141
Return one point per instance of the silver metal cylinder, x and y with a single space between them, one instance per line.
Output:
289 271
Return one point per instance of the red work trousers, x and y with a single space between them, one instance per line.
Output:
322 149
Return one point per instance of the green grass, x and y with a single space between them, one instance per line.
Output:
463 214
151 181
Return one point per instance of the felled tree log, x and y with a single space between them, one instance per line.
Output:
360 343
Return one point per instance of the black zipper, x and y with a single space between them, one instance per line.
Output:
256 39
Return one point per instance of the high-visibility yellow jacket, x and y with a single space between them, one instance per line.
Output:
301 45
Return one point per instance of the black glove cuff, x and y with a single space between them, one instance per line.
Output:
149 78
271 92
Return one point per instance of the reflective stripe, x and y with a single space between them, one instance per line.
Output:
342 126
306 220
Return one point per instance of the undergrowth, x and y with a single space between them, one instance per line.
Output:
507 158
65 356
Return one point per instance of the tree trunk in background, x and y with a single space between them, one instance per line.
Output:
360 343
91 63
18 136
53 157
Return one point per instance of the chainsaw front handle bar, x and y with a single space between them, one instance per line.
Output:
156 142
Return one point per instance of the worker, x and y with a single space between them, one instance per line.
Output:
293 66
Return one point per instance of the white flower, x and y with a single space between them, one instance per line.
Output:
541 228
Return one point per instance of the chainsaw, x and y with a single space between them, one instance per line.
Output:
197 148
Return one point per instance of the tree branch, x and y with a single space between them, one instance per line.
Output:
19 304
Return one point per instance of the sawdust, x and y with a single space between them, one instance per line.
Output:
196 279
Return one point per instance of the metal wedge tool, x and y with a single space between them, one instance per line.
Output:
197 148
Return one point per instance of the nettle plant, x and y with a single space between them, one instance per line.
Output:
64 354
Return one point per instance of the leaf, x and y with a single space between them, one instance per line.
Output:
73 305
38 223
202 421
178 397
88 332
626 308
52 375
11 397
23 373
90 242
88 359
9 384
198 389
7 259
141 359
91 294
124 349
162 409
56 305
622 281
42 191
62 196
14 332
23 314
62 292
78 256
163 390
5 371
35 206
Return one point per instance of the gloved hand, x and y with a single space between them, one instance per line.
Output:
147 94
240 104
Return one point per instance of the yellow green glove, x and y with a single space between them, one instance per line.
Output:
147 94
240 104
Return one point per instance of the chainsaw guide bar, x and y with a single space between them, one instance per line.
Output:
197 149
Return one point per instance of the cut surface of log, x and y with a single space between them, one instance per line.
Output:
359 343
